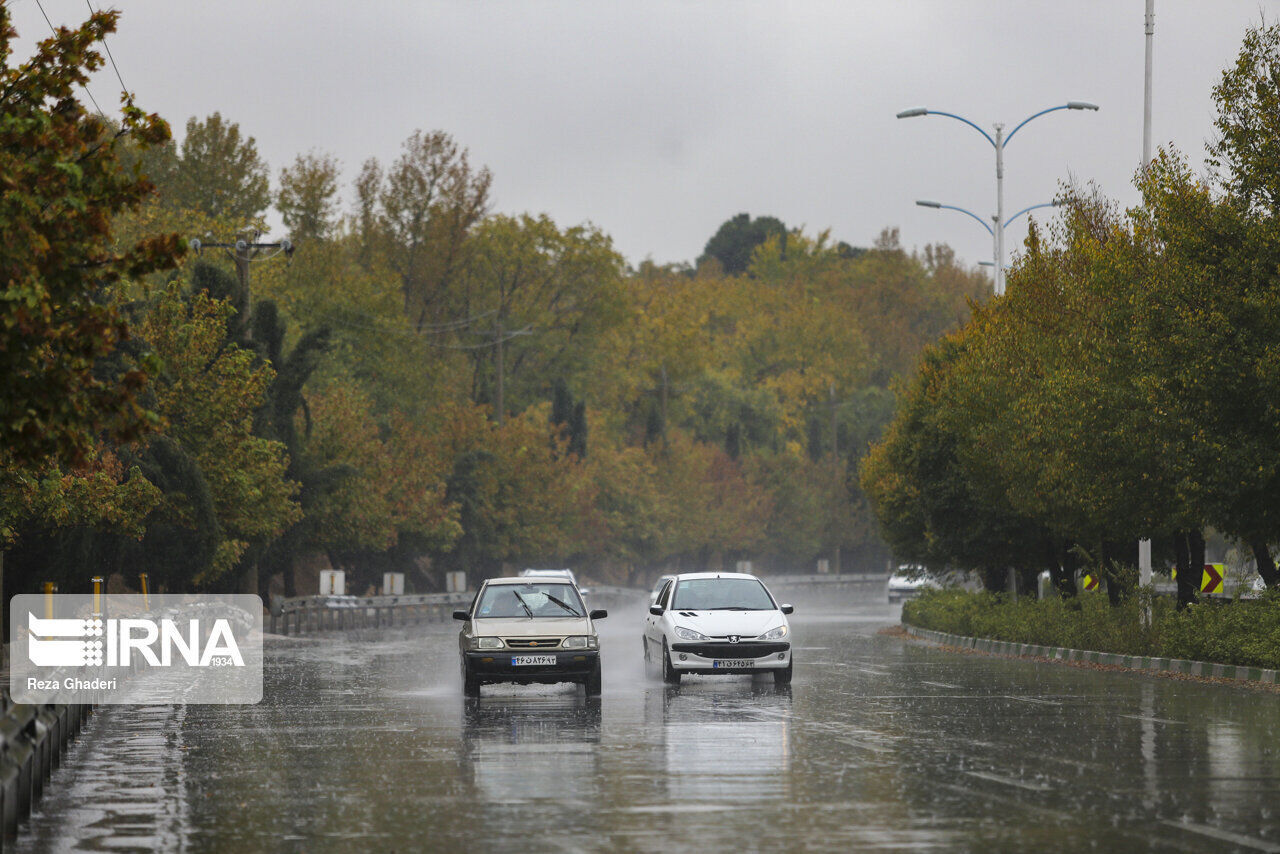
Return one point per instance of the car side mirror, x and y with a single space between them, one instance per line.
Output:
656 610
788 609
461 615
599 614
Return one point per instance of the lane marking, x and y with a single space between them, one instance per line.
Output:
1009 781
1033 700
1226 836
1153 720
939 684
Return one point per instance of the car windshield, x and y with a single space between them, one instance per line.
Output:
721 594
532 599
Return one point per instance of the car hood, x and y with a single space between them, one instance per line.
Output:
531 627
747 624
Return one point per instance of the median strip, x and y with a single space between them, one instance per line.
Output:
1149 664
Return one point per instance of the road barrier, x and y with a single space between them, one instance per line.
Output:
309 614
32 742
825 580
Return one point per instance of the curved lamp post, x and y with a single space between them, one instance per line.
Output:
998 142
925 203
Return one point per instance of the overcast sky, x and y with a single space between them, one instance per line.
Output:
659 120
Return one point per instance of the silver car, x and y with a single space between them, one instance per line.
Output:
533 629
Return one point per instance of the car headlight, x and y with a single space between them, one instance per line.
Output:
690 634
777 633
488 643
580 642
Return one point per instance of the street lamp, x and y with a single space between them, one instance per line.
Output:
998 142
926 203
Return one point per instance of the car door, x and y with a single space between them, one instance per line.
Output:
652 622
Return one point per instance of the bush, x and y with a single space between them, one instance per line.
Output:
1245 632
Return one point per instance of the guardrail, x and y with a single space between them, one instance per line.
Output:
843 578
306 614
32 742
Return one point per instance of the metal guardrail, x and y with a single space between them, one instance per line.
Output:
32 742
843 578
304 614
307 614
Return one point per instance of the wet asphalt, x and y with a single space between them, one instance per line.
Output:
881 744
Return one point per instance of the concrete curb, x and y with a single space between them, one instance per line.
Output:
1133 662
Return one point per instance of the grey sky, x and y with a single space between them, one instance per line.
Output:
659 120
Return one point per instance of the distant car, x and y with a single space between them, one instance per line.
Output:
556 573
657 588
531 629
710 623
907 582
341 601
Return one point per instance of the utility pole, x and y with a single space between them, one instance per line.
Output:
1149 31
498 403
835 467
243 252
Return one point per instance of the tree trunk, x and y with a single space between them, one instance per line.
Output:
1109 570
1188 587
1065 576
1262 556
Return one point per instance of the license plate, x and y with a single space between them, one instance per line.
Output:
733 662
521 660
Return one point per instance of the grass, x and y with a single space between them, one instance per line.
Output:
1242 632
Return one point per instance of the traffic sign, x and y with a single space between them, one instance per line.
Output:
1211 580
1090 581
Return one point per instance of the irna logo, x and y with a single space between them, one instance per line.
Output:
114 642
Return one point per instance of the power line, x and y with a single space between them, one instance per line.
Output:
116 68
54 30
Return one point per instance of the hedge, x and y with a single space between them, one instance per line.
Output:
1243 632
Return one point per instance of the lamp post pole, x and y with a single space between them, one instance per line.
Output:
998 142
997 232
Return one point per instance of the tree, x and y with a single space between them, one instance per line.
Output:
738 237
542 298
218 172
426 205
63 181
307 196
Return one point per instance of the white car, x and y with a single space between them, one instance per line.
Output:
556 573
657 587
907 582
718 623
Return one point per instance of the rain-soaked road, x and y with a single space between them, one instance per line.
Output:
880 745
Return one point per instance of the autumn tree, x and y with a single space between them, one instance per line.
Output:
307 198
63 182
217 171
738 237
417 217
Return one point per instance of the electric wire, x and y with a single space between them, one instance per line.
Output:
116 68
54 30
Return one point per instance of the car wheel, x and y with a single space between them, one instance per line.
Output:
470 682
592 682
782 676
669 674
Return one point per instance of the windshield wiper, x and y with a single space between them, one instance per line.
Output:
568 608
523 604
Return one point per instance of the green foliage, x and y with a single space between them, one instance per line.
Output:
63 181
218 173
1242 632
737 238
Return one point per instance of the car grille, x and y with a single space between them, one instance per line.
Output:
731 650
532 643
